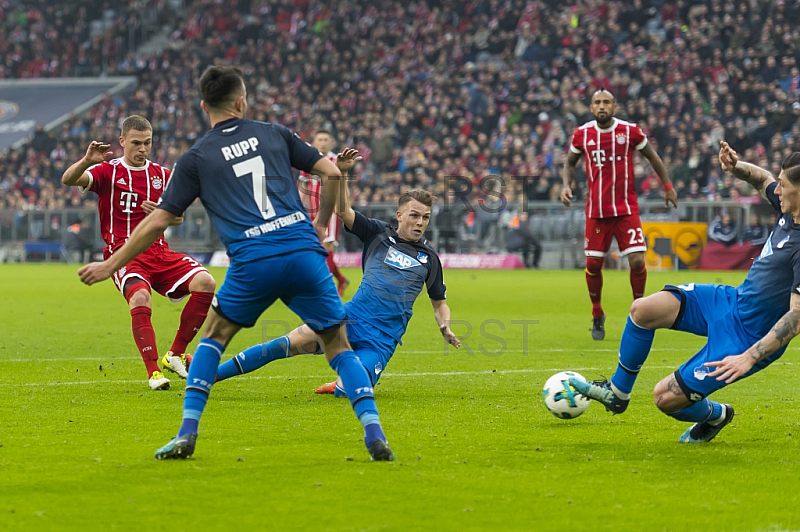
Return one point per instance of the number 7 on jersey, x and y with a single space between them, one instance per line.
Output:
255 167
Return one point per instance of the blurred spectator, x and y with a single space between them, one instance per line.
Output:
521 240
755 233
722 229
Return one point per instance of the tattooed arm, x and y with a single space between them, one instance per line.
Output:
755 175
733 367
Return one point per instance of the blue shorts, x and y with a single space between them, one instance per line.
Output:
372 346
301 280
711 310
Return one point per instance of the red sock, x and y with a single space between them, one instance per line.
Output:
192 318
145 338
334 269
594 280
638 282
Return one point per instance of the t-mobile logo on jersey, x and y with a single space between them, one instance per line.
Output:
599 157
127 201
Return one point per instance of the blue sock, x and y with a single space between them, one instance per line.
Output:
254 357
704 410
338 391
633 350
201 377
358 388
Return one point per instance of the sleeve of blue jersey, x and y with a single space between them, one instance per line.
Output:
183 186
435 281
302 155
365 228
773 198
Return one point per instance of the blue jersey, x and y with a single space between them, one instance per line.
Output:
395 271
764 295
242 172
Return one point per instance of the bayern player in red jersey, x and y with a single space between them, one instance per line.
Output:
310 193
612 209
128 189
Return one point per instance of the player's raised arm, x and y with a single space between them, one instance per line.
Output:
346 161
670 195
758 177
442 314
329 176
77 175
733 367
569 174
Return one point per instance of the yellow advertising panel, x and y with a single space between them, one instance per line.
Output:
665 240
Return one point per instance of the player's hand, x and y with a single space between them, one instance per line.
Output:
149 206
727 156
97 152
346 160
94 273
566 196
671 196
731 368
449 336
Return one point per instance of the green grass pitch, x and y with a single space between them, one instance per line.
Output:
476 448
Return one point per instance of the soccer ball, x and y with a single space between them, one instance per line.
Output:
561 399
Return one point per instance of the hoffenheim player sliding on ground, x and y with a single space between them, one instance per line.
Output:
397 265
242 172
748 327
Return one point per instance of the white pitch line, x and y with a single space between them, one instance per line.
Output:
328 376
475 352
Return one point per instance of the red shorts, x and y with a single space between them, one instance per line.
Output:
626 229
332 233
167 272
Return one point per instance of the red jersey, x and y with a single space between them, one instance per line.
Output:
313 187
608 155
121 189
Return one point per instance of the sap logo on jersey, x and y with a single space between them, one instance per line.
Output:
240 148
400 260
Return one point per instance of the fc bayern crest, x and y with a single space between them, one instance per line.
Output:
8 109
621 139
157 183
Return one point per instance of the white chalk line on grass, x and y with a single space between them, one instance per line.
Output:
330 375
473 351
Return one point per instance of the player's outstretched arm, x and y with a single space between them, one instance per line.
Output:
143 236
734 367
569 174
150 206
346 161
76 175
758 177
670 196
329 176
442 314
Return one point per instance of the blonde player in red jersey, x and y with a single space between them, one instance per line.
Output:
310 194
612 209
128 189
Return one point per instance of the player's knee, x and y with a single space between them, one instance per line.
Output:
665 399
594 265
204 283
139 298
636 261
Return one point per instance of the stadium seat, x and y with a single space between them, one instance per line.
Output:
43 250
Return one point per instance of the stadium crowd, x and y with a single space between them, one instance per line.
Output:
429 89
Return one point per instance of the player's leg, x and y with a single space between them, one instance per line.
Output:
202 373
341 281
137 292
179 275
658 311
630 237
673 396
315 300
301 341
597 243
